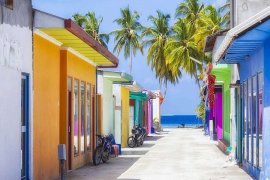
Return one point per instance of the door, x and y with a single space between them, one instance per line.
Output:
25 127
218 112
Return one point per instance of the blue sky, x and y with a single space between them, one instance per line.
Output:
182 98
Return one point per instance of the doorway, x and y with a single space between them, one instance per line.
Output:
25 127
218 111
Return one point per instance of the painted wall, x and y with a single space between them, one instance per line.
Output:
265 174
252 65
223 76
79 69
46 108
118 113
15 58
125 115
247 8
156 109
105 88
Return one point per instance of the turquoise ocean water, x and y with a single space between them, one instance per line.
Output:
174 121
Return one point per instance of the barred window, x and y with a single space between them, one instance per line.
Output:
7 3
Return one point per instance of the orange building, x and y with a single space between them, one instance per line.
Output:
65 62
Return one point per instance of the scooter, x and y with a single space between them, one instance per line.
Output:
137 137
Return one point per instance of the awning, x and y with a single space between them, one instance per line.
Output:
117 77
138 96
241 41
71 35
134 86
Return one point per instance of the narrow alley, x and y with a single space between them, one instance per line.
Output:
176 154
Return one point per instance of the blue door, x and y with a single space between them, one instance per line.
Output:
25 127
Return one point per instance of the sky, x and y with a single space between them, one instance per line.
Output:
181 99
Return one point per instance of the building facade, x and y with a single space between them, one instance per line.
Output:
247 45
66 59
16 121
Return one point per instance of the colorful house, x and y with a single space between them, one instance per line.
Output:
138 99
247 46
132 87
16 120
66 59
221 109
114 112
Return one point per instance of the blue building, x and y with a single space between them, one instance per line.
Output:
248 46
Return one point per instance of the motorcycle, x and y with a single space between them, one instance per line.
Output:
137 137
103 150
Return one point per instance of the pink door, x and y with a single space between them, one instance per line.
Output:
218 114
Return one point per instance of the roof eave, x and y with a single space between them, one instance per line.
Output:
240 30
75 29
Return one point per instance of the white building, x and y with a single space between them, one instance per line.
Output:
15 89
156 105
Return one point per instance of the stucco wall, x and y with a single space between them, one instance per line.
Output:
223 75
266 114
156 109
247 8
108 107
82 71
46 108
118 113
15 58
125 115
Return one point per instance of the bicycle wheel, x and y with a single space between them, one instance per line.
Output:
131 142
97 157
105 155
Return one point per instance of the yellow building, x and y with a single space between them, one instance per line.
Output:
65 62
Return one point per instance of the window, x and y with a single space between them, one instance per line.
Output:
252 120
88 115
249 120
82 115
76 117
7 3
245 120
260 118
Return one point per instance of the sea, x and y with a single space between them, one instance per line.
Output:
180 121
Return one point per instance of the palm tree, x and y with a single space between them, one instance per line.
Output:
212 22
127 37
181 51
191 10
91 24
79 19
225 9
157 36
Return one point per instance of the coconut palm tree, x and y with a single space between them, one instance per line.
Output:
225 11
212 22
127 38
181 47
79 19
156 37
191 10
181 50
91 24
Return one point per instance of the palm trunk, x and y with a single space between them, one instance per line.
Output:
130 59
197 80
